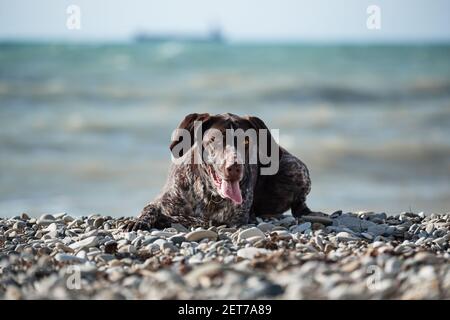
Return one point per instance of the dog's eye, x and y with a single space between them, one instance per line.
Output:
212 139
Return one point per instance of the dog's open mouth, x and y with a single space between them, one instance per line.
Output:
227 189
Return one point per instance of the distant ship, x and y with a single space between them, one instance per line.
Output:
214 36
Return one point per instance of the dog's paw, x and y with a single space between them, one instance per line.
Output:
135 225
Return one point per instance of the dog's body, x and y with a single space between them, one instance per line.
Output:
229 193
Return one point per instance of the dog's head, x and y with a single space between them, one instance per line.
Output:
226 144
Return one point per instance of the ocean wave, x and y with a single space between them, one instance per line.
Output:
389 161
354 95
170 50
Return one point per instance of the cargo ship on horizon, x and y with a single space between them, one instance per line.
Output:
213 36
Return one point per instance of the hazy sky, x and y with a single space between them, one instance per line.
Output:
279 20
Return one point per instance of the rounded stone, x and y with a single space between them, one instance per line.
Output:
51 227
302 227
162 234
283 234
167 246
177 239
346 236
429 228
251 252
198 235
129 248
367 235
250 232
160 242
264 226
85 243
46 219
98 222
63 257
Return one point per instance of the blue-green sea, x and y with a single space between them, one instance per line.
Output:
85 128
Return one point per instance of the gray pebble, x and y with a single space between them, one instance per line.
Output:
86 243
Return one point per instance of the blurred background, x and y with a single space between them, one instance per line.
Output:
86 114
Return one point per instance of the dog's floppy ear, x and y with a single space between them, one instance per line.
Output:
257 124
187 124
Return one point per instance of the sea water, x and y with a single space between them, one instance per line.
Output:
85 128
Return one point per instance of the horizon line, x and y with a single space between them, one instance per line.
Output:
226 41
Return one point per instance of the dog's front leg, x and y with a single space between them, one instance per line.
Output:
151 217
240 218
164 212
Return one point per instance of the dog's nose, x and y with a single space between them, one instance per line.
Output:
233 172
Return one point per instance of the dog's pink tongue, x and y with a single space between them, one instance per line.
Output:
232 190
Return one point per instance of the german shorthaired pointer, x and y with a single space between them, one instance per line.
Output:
220 189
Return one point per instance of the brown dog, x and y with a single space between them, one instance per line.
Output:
220 189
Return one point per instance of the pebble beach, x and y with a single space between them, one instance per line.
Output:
361 255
